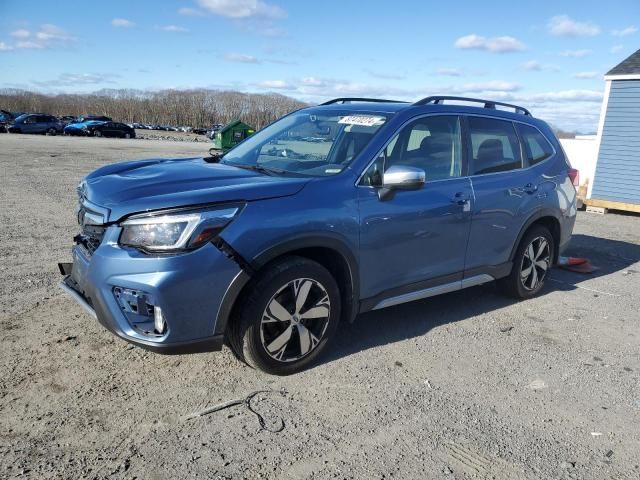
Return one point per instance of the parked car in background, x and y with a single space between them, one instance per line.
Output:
6 118
199 131
36 123
113 129
426 198
87 118
67 119
82 128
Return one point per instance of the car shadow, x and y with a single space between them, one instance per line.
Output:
409 320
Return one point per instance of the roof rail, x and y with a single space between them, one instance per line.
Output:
359 99
487 103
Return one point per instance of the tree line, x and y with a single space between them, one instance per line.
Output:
195 108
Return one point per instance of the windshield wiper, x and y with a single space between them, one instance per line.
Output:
260 169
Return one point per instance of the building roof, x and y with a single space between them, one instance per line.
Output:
629 66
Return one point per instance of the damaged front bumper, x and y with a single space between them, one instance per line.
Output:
165 303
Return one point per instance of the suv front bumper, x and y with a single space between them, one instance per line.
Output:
189 288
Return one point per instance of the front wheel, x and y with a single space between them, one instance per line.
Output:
287 317
531 263
97 133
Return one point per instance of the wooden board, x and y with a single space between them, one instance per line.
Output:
627 207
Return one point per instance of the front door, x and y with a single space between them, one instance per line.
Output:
413 239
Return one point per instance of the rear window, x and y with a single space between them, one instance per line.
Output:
495 146
535 146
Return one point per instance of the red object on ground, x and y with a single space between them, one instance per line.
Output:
576 264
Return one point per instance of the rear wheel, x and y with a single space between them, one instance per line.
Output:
127 135
531 263
287 317
51 131
97 133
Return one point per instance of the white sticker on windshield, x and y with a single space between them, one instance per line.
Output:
333 170
362 120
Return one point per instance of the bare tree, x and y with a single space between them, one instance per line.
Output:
196 108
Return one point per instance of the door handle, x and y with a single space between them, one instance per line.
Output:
460 198
530 188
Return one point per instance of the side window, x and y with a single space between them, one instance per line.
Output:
535 146
494 145
431 143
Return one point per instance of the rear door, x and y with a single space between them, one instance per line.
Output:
504 192
416 239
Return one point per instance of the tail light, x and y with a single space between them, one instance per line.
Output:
574 175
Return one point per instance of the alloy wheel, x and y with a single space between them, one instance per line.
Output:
295 320
535 263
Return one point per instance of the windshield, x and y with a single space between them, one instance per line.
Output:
308 143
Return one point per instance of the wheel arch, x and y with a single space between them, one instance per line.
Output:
329 252
546 218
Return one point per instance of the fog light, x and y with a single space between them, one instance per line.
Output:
158 320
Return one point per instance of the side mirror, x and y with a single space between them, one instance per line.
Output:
402 177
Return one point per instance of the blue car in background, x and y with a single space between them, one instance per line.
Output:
334 210
36 123
84 128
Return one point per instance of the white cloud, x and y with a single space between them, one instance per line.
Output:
242 8
122 23
52 33
491 86
616 48
276 84
448 72
532 66
565 26
48 35
4 47
536 66
190 12
240 58
586 75
21 33
575 53
623 32
569 96
490 44
76 79
313 81
28 45
173 29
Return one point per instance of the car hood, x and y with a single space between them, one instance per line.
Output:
138 186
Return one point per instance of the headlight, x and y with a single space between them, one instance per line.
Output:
175 231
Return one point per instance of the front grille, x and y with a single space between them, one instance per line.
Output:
92 226
91 237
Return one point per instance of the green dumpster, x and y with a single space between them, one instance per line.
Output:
231 134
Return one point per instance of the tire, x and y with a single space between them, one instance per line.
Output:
527 277
51 131
97 133
127 135
269 331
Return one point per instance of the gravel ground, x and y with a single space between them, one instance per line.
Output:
466 385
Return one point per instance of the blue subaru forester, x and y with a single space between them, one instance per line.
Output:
334 210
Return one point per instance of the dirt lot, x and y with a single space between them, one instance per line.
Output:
467 385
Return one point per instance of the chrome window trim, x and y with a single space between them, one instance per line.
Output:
417 117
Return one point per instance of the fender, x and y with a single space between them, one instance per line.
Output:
537 215
327 240
324 239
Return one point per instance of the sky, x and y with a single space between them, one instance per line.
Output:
549 56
